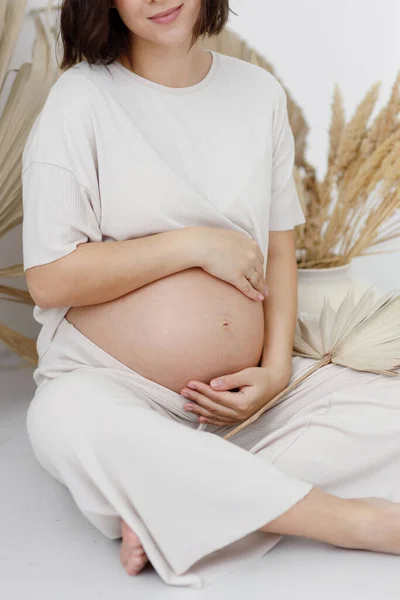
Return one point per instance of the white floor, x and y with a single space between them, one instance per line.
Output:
48 551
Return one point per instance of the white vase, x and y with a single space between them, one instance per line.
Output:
334 283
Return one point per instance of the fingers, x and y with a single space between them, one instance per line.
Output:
259 253
255 286
259 267
208 417
217 423
206 408
259 264
249 290
222 404
258 280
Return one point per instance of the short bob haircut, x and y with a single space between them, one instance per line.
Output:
92 30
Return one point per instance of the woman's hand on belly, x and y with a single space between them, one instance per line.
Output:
219 406
232 256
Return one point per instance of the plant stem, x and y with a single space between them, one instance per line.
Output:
321 363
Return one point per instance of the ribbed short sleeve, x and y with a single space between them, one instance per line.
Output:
58 214
285 211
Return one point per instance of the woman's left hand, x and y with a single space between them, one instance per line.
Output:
219 406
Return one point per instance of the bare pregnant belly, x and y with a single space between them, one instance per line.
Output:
189 325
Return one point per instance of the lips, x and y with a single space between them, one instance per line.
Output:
164 14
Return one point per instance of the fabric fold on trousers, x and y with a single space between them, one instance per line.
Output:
250 493
125 448
186 493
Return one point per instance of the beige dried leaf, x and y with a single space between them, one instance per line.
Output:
12 14
27 96
24 102
15 271
15 294
21 345
363 335
3 7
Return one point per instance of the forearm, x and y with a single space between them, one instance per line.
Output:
280 311
98 272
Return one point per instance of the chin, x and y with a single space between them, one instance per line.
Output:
174 39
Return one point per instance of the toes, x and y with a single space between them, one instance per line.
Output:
133 561
133 556
134 567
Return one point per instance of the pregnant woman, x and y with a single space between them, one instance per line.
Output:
159 203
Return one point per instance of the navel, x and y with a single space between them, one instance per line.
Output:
226 323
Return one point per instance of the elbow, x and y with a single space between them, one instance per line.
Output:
45 298
46 290
38 300
47 301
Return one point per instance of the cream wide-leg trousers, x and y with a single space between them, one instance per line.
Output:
125 448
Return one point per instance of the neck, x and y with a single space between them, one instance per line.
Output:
171 66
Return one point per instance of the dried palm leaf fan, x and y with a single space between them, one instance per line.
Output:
25 100
357 205
231 44
364 337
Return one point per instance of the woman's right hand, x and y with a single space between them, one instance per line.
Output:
231 256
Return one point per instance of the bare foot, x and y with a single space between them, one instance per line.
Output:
133 557
356 523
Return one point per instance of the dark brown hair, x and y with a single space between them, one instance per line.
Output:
92 30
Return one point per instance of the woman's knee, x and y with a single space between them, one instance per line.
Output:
61 410
52 417
82 407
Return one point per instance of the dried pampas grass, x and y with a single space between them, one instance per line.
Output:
25 100
362 336
356 207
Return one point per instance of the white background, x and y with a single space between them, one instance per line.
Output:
312 44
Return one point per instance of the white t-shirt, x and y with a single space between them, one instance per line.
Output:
115 156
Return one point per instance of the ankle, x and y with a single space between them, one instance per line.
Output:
324 517
358 521
374 524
